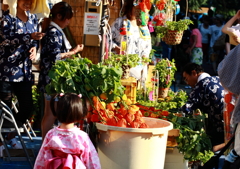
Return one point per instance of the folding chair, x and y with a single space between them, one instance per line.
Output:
25 125
6 115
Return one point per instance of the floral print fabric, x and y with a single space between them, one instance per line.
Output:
52 48
197 56
208 96
70 141
15 39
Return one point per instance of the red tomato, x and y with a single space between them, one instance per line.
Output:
122 123
134 124
129 117
144 125
95 118
165 113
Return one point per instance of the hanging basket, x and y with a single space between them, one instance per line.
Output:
126 72
173 37
163 92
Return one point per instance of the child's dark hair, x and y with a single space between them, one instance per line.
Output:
70 108
128 8
188 68
62 8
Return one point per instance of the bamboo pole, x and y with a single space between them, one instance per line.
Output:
186 8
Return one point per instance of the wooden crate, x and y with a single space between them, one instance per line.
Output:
131 88
172 134
174 159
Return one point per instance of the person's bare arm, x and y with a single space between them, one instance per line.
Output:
230 22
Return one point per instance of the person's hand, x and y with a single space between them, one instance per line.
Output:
78 48
33 53
236 38
117 49
37 35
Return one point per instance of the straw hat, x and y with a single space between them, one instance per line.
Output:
39 7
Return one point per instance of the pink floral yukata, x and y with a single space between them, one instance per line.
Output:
67 148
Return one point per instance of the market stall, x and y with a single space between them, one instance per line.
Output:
123 108
136 119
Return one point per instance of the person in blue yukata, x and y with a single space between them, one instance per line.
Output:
55 46
19 42
207 95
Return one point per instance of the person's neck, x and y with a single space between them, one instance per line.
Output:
21 14
66 125
133 21
56 21
199 74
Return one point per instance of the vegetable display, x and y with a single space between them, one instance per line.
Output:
193 142
81 76
102 86
120 113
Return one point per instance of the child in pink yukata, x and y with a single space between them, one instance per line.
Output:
66 146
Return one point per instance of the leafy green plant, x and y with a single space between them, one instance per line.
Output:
193 142
166 70
79 75
130 60
152 52
180 25
36 103
171 103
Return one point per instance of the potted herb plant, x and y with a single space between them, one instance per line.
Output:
125 62
166 71
171 33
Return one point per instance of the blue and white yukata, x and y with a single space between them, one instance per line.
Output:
15 64
53 44
208 96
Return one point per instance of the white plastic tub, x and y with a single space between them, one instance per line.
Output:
131 148
174 159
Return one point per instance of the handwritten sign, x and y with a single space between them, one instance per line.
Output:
91 23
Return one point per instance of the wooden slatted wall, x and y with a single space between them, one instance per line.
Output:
77 22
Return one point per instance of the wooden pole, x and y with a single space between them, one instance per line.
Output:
186 8
103 35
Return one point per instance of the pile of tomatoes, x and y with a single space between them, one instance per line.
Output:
120 113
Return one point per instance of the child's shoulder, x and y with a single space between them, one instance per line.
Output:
74 130
80 132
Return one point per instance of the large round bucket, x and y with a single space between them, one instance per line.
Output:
133 148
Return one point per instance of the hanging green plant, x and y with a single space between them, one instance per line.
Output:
180 25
